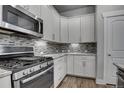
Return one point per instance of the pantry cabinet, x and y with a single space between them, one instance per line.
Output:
74 29
64 29
59 70
87 28
84 66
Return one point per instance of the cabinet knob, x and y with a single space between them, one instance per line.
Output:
109 54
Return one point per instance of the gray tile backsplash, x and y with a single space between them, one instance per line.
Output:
41 46
48 48
15 40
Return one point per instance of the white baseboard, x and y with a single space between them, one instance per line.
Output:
100 81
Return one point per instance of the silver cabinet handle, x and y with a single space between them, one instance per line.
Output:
35 76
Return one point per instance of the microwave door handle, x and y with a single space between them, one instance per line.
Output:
35 76
39 27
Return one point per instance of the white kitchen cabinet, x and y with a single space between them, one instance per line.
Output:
59 70
48 25
5 82
87 28
56 25
64 30
84 66
35 9
74 29
70 64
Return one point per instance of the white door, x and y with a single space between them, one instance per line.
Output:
74 30
115 45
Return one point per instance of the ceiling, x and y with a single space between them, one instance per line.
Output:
63 8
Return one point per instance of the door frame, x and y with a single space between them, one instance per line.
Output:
105 17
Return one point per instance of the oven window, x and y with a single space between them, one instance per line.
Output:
17 18
43 81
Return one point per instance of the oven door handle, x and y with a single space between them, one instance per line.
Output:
35 76
122 80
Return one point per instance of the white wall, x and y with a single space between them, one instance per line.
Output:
100 9
80 11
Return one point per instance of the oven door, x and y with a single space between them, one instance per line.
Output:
120 79
41 80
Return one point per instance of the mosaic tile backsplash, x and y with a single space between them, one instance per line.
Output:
41 46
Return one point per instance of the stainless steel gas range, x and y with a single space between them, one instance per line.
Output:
28 71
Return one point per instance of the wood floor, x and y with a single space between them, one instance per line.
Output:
77 82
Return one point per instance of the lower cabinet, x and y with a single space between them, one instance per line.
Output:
5 82
84 66
81 65
77 65
70 65
59 70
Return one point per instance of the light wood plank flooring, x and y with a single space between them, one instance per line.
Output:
78 82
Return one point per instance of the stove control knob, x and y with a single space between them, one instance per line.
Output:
31 70
41 66
25 73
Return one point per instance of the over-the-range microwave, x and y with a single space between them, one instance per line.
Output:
18 19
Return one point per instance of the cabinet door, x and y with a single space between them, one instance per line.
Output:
87 28
64 30
70 64
35 9
74 30
78 66
56 24
90 67
47 16
59 70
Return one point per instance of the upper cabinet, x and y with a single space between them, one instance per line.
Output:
87 28
47 16
56 28
64 29
35 9
74 29
56 25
